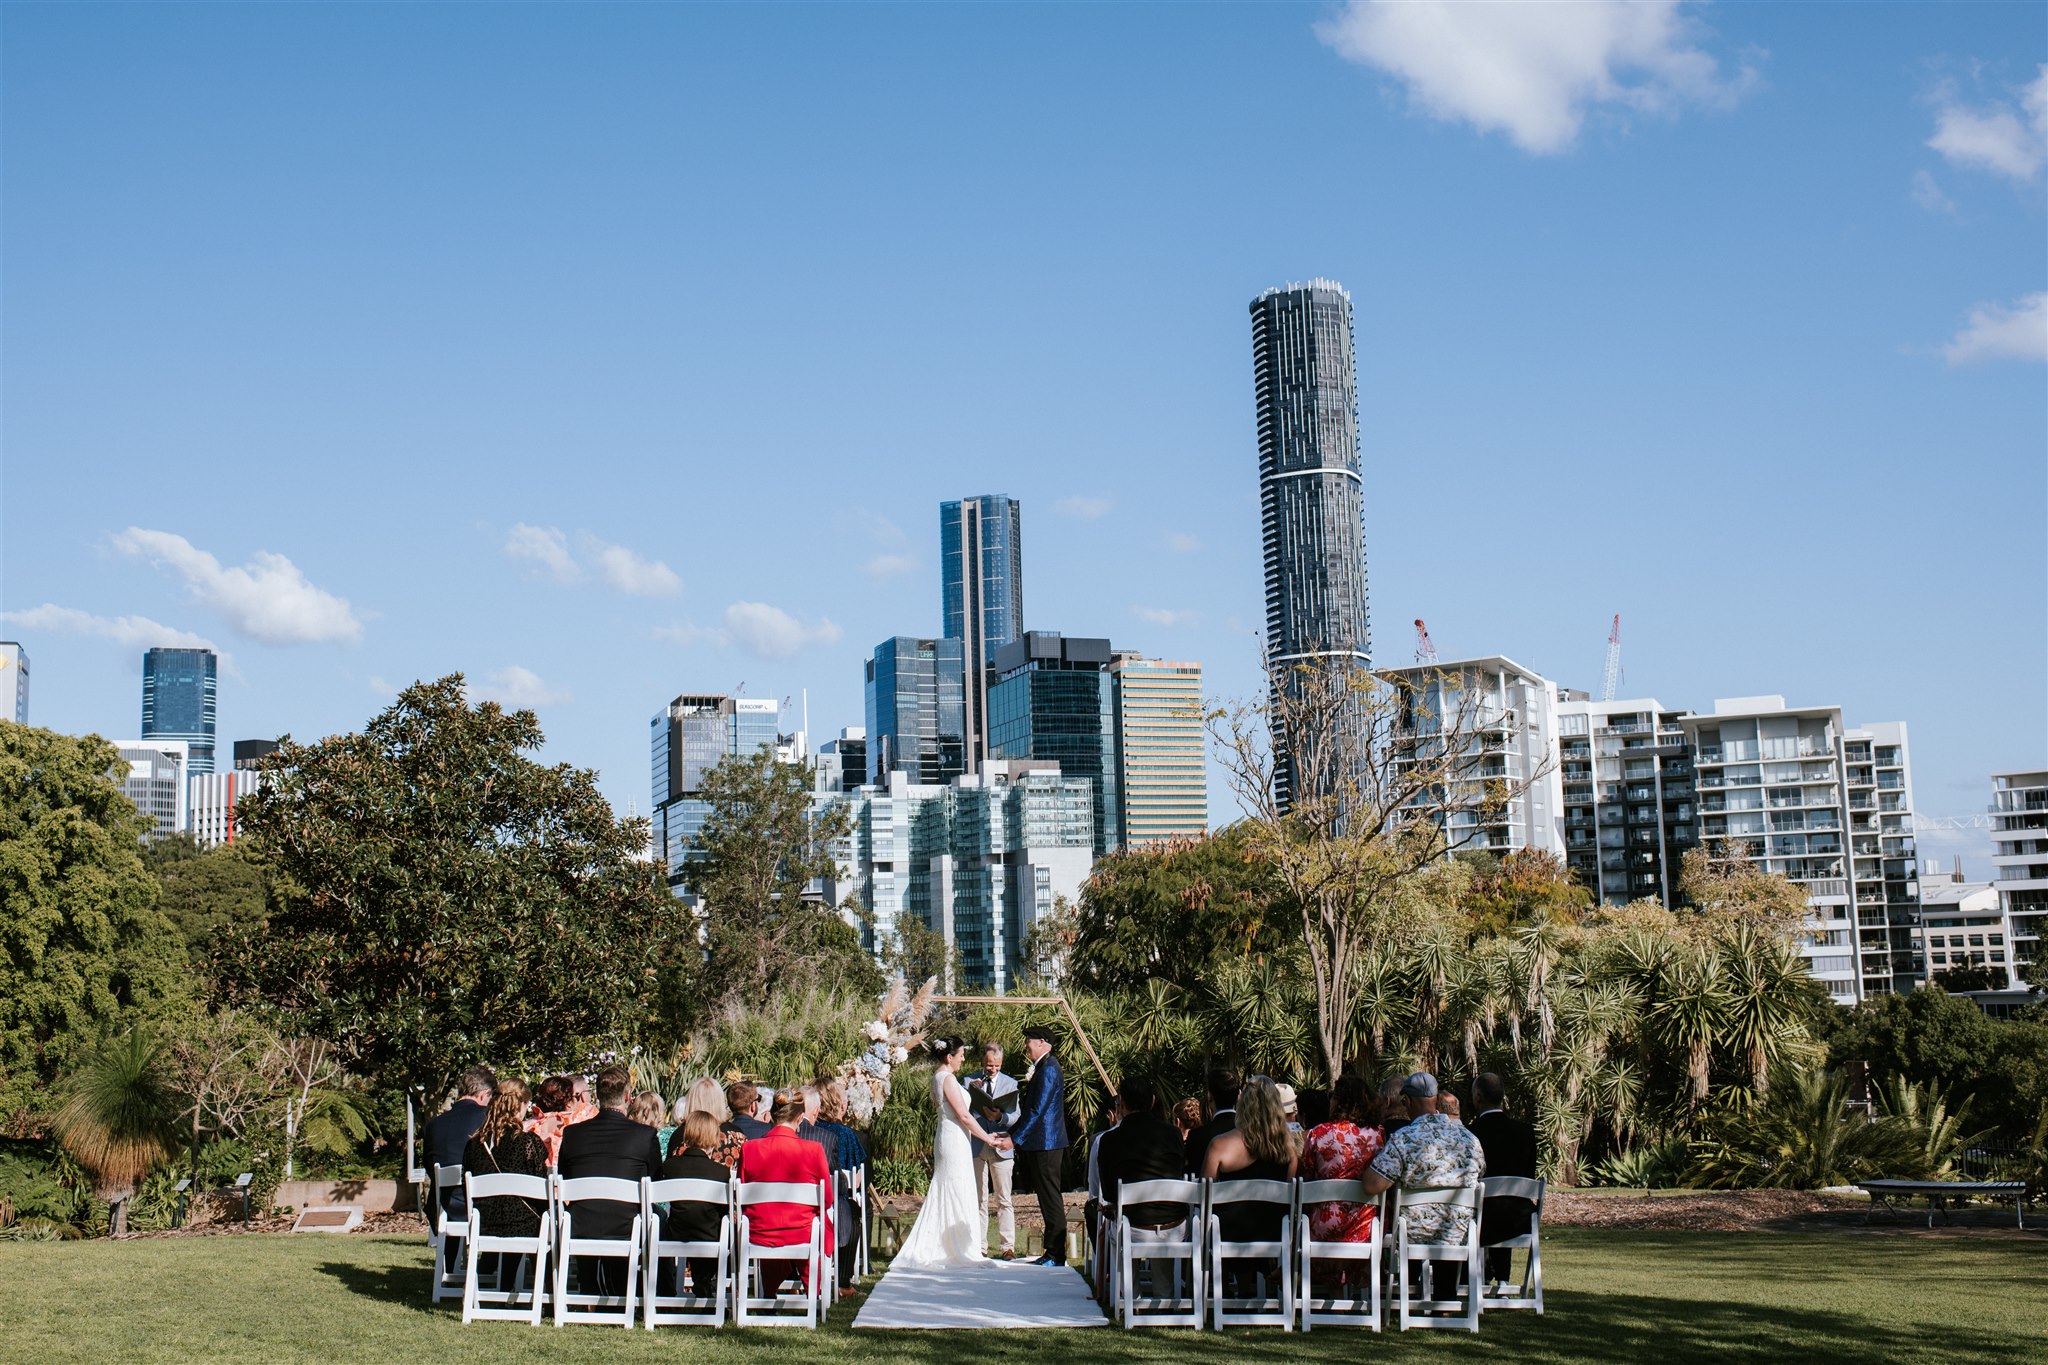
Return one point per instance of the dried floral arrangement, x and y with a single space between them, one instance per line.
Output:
897 1028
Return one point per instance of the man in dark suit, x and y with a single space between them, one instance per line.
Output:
609 1145
1040 1135
741 1097
450 1131
1224 1083
1145 1146
1510 1147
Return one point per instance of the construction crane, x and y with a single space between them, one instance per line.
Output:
1929 822
1611 680
1425 648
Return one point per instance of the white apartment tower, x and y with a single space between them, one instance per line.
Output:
1510 718
2019 834
1795 791
1630 809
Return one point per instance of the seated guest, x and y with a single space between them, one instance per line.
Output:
1315 1109
742 1097
1260 1147
852 1156
1343 1149
502 1147
1144 1146
1091 1211
1510 1147
450 1131
555 1102
1291 1107
809 1130
1223 1087
778 1157
648 1110
1187 1116
1393 1104
708 1096
609 1144
1447 1105
1430 1152
688 1220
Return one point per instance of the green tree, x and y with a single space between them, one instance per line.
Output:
1722 889
1175 911
1970 976
761 849
1527 886
118 1118
211 890
441 899
85 947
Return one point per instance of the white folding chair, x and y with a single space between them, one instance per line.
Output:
1529 1293
1180 1242
685 1307
1274 1306
500 1301
446 1235
752 1306
1415 1257
587 1303
853 1189
1362 1261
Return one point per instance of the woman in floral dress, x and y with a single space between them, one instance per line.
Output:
1342 1149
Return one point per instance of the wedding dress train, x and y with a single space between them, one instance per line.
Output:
950 1230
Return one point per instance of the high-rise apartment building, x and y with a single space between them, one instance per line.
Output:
155 775
1503 721
980 860
178 700
2019 835
1796 792
917 710
1630 811
1162 785
687 739
981 566
1051 698
210 816
14 680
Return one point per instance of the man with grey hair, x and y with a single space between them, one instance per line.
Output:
995 1099
1430 1152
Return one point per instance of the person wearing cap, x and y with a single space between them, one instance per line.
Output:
1430 1152
1290 1105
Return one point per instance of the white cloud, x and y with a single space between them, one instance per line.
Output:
130 632
1181 543
618 567
1164 616
267 599
1087 509
520 688
1929 195
630 573
545 546
772 633
2008 140
1995 332
889 566
380 688
1533 71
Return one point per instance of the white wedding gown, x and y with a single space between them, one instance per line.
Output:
949 1231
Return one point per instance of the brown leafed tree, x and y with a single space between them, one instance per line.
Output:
1354 783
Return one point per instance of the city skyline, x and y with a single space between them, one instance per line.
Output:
1672 356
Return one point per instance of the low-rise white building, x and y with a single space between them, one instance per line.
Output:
1509 718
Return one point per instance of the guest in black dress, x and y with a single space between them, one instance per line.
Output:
690 1158
1261 1147
503 1147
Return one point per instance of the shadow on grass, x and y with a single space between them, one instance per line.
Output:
402 1286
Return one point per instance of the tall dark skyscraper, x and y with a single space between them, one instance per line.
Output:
178 700
1054 698
1309 493
981 560
916 692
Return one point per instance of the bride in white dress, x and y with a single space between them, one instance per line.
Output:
950 1230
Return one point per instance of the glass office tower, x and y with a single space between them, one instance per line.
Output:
981 563
917 710
687 739
178 701
1052 698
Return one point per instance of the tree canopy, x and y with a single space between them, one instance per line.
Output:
1175 911
441 899
85 948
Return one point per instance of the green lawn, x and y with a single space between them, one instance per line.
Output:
1612 1296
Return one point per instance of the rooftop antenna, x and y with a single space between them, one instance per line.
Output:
1425 648
1611 680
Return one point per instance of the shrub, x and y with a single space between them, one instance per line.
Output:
899 1175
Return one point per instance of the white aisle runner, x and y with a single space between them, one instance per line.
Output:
991 1294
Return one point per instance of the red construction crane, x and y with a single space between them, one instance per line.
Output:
1425 648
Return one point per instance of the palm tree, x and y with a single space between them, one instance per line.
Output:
118 1119
1692 1011
1763 974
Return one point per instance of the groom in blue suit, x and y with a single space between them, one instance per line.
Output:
1040 1133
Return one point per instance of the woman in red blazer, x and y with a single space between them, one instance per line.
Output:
783 1156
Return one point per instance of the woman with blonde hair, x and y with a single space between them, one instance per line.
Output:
707 1096
1261 1148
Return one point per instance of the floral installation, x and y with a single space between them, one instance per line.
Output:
897 1028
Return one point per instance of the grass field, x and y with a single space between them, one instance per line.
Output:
1612 1297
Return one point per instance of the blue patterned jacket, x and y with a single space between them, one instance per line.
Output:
1041 1124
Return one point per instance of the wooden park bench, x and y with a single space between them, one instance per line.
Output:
1886 1194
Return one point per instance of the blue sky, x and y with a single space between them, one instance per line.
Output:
605 353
